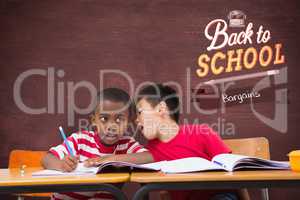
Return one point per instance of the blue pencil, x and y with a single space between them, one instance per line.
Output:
63 135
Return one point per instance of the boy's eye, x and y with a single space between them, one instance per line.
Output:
103 119
119 119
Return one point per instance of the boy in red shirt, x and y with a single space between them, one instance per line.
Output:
158 116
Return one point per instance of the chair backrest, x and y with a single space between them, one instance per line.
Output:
17 158
258 146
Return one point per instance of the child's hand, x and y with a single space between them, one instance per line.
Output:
69 163
92 162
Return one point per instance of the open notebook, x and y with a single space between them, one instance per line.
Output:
227 162
104 167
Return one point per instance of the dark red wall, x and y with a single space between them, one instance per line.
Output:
150 41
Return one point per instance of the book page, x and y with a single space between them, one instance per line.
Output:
80 170
111 166
155 165
228 161
192 164
234 161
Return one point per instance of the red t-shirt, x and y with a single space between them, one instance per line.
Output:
191 141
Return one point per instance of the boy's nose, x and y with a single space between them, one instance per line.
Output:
112 128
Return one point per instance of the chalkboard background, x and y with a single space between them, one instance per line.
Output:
160 41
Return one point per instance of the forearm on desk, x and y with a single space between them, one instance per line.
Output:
49 161
136 158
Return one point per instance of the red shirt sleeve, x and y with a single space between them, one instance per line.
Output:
135 147
214 144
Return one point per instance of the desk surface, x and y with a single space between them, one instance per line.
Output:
265 175
12 177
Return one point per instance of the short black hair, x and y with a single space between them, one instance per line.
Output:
155 93
115 95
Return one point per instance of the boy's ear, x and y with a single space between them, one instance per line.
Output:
93 123
163 108
92 118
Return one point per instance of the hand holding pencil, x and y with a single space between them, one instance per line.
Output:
69 162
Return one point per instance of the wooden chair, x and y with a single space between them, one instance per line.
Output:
258 147
17 158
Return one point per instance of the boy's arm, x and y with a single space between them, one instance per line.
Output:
214 144
136 158
58 157
67 164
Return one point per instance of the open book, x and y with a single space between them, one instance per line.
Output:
104 167
227 162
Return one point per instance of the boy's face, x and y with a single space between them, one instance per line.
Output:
111 120
148 119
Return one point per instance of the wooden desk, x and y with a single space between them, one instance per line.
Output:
213 180
11 181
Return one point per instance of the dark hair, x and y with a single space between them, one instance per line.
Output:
156 93
115 95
